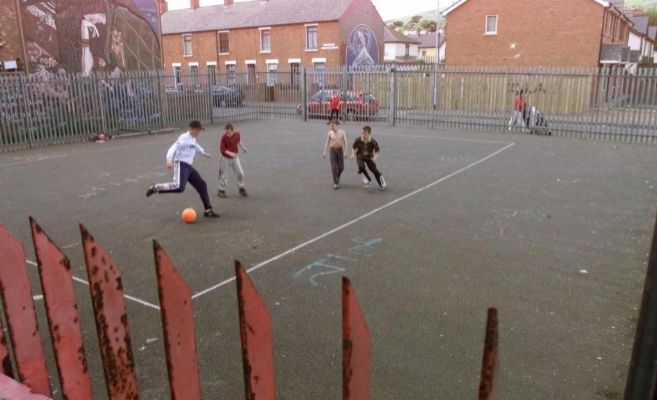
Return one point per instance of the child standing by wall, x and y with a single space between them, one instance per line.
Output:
229 147
366 150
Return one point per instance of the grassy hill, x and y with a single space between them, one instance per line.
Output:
430 15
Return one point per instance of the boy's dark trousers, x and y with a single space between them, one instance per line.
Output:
335 113
337 164
183 173
369 162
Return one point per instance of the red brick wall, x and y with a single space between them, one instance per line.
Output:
555 33
287 41
9 32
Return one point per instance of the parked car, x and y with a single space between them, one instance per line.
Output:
227 96
354 104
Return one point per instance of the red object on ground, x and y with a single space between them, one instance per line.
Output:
178 324
63 316
356 347
490 363
189 215
257 341
21 316
108 301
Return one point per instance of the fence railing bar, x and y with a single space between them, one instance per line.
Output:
356 347
490 362
21 317
256 338
178 327
63 317
108 301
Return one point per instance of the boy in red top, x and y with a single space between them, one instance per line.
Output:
229 149
518 106
335 107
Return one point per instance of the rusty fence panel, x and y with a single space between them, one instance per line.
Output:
63 316
356 347
107 298
490 363
21 316
178 326
257 339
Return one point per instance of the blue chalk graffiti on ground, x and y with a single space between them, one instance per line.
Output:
335 263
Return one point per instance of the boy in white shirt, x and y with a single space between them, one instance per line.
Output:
180 158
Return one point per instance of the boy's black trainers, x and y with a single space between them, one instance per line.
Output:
210 214
151 191
221 194
243 192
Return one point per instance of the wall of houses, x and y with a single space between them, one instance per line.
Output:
565 33
10 37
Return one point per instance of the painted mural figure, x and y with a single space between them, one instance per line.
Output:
118 48
89 30
362 47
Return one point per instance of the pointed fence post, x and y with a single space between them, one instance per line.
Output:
63 317
356 347
490 363
21 317
178 325
257 339
106 289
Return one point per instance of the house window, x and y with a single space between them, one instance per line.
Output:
187 44
230 74
224 48
193 69
491 25
265 40
311 37
251 74
319 73
294 71
212 74
272 72
408 50
176 75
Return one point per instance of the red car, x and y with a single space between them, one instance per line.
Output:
354 105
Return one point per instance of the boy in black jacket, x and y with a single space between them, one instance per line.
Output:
366 151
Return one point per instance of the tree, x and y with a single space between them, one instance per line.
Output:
428 25
397 25
414 24
652 16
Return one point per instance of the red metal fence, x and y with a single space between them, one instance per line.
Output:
107 296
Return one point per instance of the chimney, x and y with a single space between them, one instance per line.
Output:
164 6
194 4
228 2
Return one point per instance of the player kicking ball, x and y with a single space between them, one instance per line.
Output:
180 158
366 151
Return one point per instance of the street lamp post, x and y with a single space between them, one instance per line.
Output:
437 60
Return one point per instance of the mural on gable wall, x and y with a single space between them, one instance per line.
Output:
86 36
362 47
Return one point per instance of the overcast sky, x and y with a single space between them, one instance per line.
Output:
389 9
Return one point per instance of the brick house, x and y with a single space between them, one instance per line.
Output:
554 33
11 44
272 35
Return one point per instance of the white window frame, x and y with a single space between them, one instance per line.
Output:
260 31
319 77
497 25
191 46
272 73
177 73
316 26
219 42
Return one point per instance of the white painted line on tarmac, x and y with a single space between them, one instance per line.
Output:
354 221
128 297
